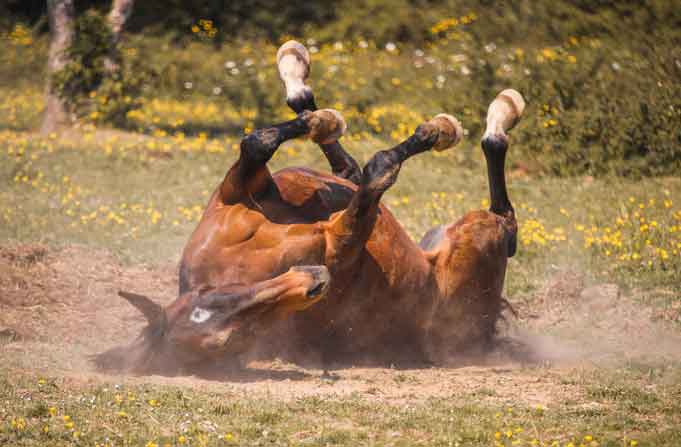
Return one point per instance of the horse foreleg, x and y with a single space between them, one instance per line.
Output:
349 230
250 176
293 61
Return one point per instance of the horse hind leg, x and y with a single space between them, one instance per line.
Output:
503 114
469 257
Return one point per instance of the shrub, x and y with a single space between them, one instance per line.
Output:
101 83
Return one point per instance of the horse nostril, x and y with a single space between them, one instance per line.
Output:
316 290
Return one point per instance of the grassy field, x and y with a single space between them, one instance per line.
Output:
630 406
136 194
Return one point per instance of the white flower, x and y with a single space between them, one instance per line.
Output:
230 64
217 90
234 71
248 62
441 79
338 46
311 41
313 49
490 47
465 70
418 52
616 66
188 85
390 46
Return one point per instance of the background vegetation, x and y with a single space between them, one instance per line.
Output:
601 77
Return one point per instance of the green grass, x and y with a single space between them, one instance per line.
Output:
622 407
112 191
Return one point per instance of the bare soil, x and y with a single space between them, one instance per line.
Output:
59 306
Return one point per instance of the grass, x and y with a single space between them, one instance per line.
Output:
140 196
625 407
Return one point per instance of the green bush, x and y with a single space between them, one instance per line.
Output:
101 83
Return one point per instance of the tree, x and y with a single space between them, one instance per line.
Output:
119 15
61 15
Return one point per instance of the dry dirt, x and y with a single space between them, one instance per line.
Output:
57 307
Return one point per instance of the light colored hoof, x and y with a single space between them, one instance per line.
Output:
293 61
326 125
515 99
504 112
450 131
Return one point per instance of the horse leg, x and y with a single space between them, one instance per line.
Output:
349 230
469 257
502 115
249 175
293 61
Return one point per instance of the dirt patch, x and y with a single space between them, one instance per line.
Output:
58 307
568 321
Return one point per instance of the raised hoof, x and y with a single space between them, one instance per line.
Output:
299 65
293 62
326 125
504 113
450 131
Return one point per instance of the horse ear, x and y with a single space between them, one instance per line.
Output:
151 310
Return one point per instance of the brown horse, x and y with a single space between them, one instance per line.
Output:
385 297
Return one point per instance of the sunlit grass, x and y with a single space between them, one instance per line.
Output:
605 410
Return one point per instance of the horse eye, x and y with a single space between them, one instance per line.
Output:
200 315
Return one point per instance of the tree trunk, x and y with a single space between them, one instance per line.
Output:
120 12
60 15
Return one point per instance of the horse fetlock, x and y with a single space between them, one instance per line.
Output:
325 126
300 98
426 135
494 145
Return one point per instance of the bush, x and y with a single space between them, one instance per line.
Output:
101 83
